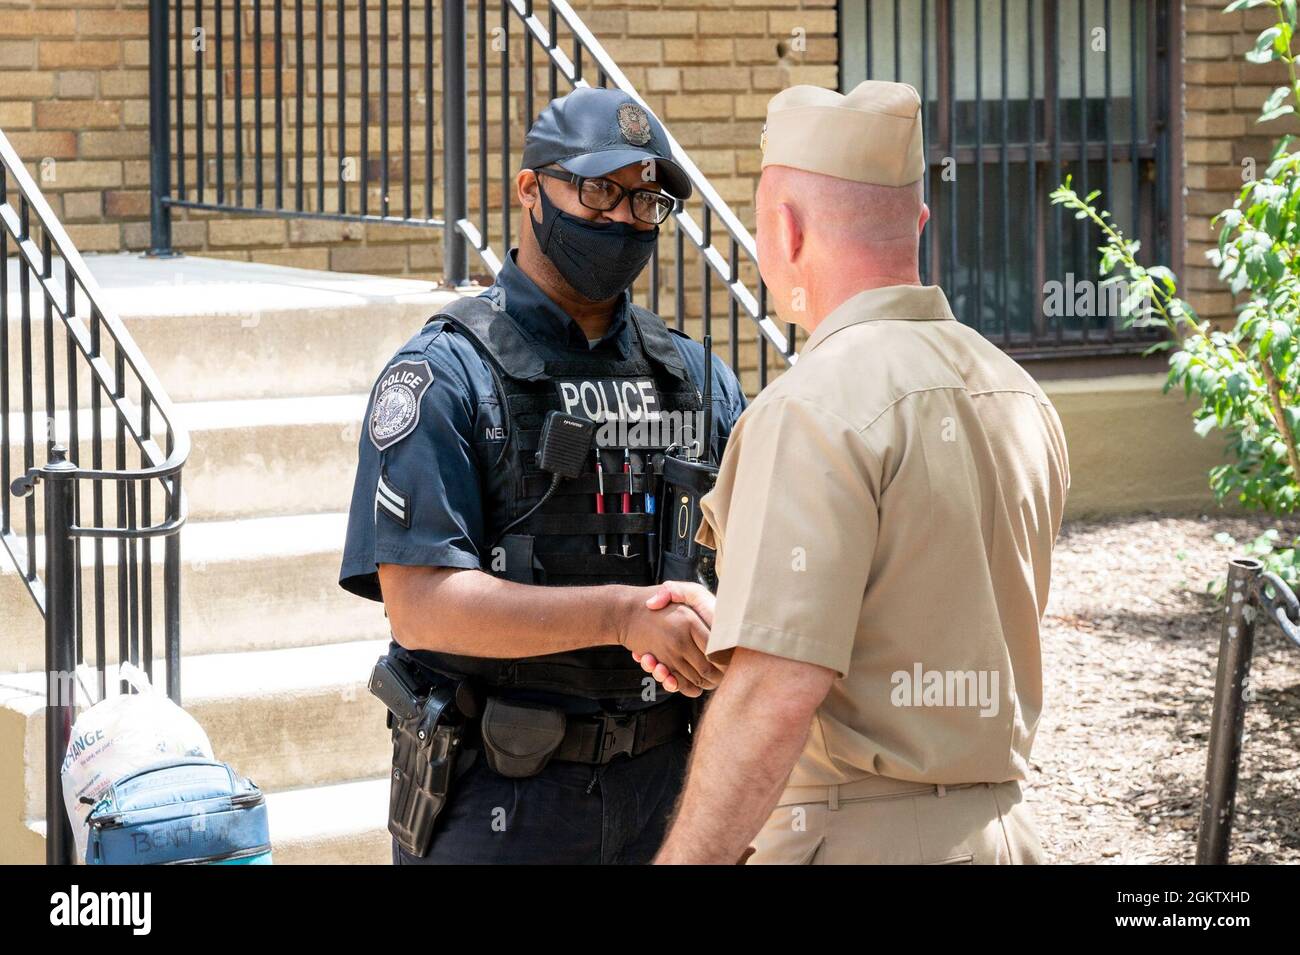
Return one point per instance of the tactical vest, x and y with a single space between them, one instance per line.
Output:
557 546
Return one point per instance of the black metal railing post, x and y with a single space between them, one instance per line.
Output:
60 647
455 158
172 600
160 223
1236 644
126 396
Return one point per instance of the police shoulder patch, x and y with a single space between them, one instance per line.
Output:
396 410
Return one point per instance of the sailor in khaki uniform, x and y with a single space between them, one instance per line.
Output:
884 518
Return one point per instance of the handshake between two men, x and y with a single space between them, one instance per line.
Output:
672 641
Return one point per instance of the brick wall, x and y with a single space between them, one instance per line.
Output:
1223 97
74 102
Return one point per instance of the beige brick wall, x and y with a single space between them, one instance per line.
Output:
74 102
1223 97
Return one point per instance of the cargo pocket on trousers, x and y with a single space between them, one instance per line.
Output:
814 857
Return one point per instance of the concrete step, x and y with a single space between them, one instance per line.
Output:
254 458
343 824
273 456
284 718
250 584
213 329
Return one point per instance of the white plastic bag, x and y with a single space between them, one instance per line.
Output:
119 735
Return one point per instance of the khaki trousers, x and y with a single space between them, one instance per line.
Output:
890 821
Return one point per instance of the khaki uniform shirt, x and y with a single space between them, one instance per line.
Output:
887 509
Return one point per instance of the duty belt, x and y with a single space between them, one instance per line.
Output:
595 739
598 739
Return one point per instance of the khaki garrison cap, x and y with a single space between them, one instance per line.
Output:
872 134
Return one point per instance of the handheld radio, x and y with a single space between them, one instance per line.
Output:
688 473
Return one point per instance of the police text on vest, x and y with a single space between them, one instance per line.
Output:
610 399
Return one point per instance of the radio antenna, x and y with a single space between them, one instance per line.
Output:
707 449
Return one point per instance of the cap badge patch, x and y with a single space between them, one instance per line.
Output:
634 124
396 410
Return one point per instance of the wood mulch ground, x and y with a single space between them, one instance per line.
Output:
1130 644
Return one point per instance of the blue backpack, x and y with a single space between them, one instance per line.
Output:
181 811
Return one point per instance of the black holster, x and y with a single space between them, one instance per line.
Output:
424 761
427 727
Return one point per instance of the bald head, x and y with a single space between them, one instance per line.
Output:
822 239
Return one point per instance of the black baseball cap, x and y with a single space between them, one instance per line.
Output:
593 131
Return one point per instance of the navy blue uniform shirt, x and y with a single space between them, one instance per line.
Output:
419 500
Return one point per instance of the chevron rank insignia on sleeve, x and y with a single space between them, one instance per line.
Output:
392 501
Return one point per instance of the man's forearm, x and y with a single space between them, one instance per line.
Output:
471 613
757 724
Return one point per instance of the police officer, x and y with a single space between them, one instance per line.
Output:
884 518
516 588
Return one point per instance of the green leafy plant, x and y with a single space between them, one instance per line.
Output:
1246 376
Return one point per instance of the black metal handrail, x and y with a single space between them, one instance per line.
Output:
99 355
1250 591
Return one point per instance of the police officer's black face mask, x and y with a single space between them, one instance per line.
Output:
599 261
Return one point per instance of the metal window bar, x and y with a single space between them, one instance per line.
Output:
1251 593
43 279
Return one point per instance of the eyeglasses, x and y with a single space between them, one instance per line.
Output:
603 195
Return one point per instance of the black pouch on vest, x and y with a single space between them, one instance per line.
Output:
520 738
512 559
424 759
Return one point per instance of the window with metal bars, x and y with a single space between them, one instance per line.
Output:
1017 95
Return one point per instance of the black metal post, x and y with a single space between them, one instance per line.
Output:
160 187
1236 644
60 648
172 595
454 156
